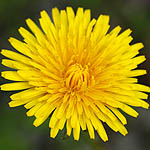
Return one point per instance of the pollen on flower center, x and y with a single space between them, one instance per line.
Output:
77 77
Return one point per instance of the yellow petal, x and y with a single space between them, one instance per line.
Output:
18 103
31 104
61 110
102 133
29 38
90 128
82 122
61 122
20 46
15 56
30 93
56 17
79 108
35 29
33 110
15 64
136 73
15 86
70 15
11 75
54 132
38 121
53 119
74 118
69 128
128 110
118 114
76 131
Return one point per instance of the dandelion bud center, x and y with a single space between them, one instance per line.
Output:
77 77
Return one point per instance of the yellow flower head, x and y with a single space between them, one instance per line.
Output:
76 72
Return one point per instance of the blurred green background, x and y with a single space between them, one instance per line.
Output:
17 131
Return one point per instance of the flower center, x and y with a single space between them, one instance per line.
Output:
77 77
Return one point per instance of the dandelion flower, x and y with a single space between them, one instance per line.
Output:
76 73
